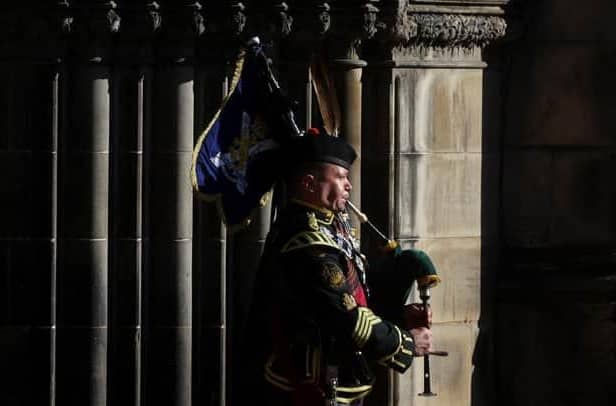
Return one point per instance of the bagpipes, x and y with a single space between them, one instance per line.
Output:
390 288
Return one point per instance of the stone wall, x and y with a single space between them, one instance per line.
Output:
555 339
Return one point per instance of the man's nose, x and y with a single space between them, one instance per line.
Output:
349 186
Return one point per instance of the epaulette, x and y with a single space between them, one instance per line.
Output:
309 239
300 227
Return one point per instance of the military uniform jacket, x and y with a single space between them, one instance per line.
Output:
318 316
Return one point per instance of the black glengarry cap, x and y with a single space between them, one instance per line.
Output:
315 147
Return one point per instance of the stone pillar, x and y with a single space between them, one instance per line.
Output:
210 249
422 143
169 216
83 215
348 74
209 349
350 26
131 119
126 229
30 95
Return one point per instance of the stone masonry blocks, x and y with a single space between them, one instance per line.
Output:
439 110
439 195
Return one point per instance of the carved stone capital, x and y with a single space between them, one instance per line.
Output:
281 21
140 27
322 19
182 27
369 17
151 19
435 34
63 17
457 30
398 26
404 28
349 26
103 19
94 26
184 23
237 19
198 20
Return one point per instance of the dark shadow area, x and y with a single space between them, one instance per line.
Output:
547 333
483 383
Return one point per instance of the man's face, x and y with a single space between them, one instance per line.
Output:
332 187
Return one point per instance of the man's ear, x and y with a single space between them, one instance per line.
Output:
308 182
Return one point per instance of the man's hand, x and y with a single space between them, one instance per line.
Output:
422 336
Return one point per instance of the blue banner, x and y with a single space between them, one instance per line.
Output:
235 158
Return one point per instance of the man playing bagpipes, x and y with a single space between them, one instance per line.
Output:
323 333
311 336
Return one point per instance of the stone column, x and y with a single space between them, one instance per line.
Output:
423 129
348 72
126 228
83 214
131 118
30 93
210 245
83 245
169 218
350 26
